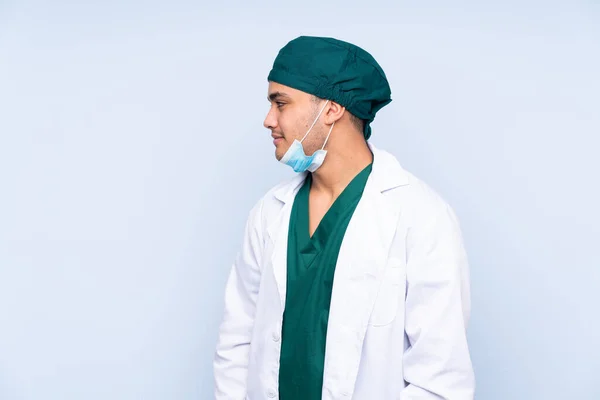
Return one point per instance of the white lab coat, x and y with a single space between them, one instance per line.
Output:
400 302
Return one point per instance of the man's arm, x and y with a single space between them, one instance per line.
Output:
437 365
231 356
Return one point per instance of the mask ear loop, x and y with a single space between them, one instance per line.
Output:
329 134
314 122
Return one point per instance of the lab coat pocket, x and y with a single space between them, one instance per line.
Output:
390 294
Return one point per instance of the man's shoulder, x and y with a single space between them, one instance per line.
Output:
430 211
414 190
421 202
424 194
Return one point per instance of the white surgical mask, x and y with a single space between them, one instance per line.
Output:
298 160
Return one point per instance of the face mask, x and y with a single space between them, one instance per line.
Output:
298 160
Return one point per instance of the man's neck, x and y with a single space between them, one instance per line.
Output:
341 165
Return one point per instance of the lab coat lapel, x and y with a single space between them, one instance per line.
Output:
279 246
359 272
278 233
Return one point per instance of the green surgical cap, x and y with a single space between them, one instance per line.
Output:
334 70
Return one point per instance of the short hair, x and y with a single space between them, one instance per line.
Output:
357 122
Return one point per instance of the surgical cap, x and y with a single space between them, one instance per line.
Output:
334 70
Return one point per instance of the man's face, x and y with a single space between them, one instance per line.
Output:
291 114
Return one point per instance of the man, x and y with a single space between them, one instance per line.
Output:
352 281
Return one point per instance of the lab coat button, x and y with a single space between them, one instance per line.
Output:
271 393
276 337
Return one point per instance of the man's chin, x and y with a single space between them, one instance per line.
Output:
280 152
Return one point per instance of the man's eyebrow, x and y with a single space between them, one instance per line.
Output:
277 96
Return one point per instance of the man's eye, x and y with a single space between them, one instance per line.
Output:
279 104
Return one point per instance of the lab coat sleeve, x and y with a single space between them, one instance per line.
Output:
231 357
437 364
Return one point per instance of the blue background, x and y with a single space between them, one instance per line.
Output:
132 148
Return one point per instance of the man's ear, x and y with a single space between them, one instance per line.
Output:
334 113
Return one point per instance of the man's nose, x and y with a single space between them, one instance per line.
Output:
270 121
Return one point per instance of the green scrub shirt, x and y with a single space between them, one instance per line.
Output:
311 265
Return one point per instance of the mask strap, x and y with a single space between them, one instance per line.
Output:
314 122
327 138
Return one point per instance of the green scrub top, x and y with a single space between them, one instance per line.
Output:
311 264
